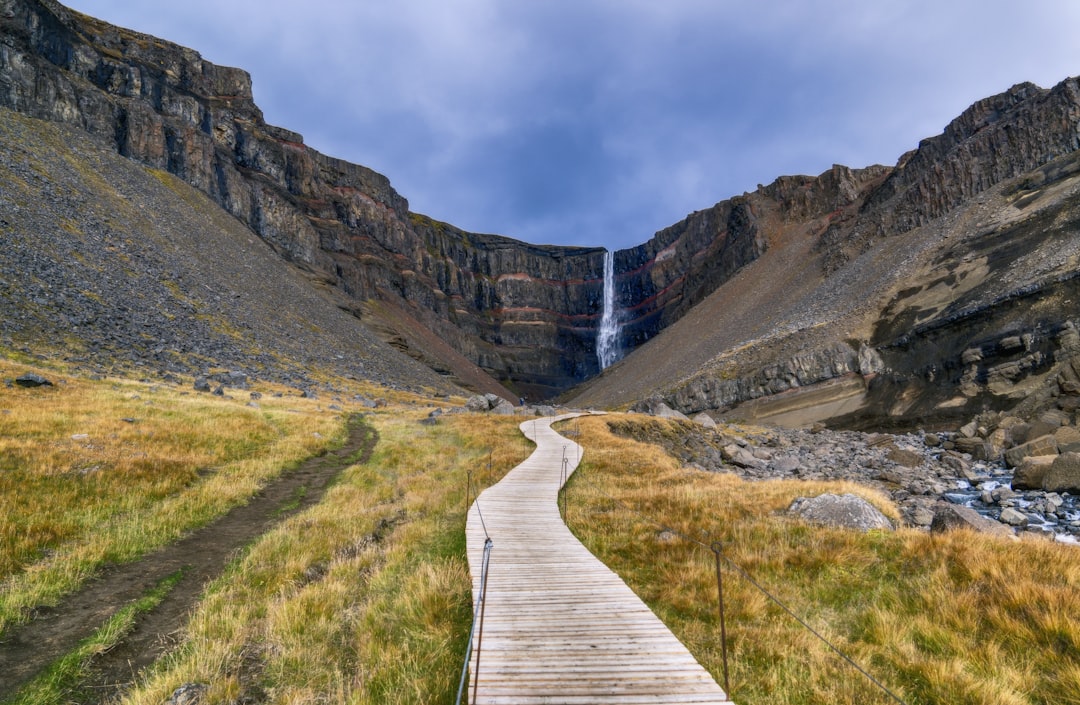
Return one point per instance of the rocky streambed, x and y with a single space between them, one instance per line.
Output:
936 479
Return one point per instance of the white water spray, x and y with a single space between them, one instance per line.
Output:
607 338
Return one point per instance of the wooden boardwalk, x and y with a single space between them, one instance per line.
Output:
559 626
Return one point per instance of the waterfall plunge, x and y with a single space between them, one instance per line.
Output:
607 338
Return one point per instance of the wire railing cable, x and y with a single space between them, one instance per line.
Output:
477 622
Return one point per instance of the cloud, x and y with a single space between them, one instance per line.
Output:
601 121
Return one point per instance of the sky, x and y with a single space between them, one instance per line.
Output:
599 122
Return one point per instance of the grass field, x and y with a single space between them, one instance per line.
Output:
957 618
102 471
365 597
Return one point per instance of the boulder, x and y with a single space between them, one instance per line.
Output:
1020 433
786 466
1063 475
743 457
32 380
202 384
479 403
953 516
1013 517
664 411
705 420
1068 439
1043 445
1029 474
846 511
977 448
905 457
503 408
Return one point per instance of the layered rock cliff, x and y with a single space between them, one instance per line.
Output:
525 313
933 290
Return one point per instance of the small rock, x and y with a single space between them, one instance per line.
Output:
932 440
187 694
1013 518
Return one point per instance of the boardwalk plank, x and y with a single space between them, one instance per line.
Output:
559 626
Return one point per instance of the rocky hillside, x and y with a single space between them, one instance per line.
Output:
931 291
117 267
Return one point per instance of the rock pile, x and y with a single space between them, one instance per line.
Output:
928 475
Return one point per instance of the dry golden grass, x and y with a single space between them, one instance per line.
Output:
364 598
956 618
93 472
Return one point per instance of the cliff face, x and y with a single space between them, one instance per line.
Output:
923 293
526 314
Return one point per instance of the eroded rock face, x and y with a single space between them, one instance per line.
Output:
525 314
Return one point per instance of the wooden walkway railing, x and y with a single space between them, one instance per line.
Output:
559 626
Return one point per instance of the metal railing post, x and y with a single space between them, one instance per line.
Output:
720 602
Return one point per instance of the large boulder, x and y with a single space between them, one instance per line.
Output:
1063 475
954 516
1043 445
1030 473
847 511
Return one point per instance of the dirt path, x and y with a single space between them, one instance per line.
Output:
203 555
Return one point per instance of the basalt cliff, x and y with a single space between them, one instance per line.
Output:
930 289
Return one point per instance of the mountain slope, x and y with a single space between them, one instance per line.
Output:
944 289
115 265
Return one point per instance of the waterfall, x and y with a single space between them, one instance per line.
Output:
607 338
